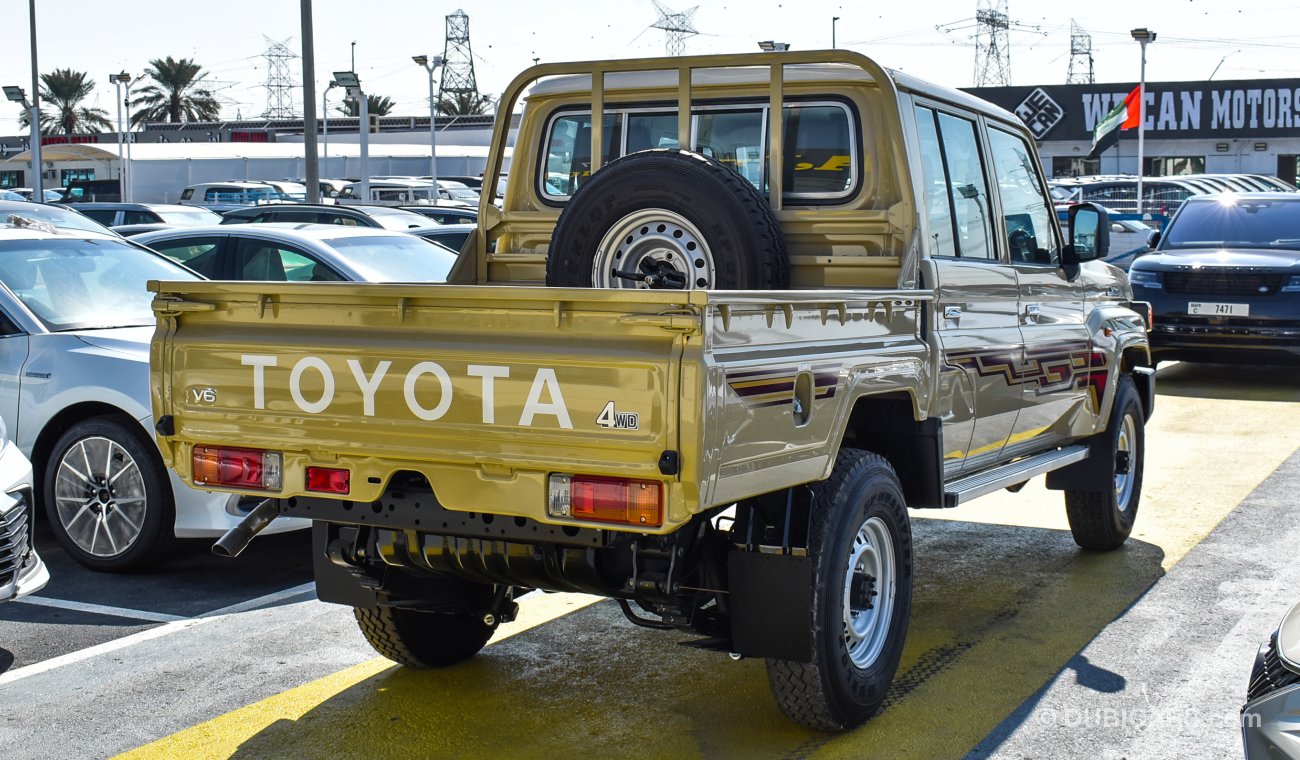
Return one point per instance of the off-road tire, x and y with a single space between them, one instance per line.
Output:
735 220
155 540
831 693
422 639
1098 521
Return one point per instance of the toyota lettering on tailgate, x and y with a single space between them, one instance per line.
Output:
545 398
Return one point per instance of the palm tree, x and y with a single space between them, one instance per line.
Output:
175 94
62 91
464 103
377 105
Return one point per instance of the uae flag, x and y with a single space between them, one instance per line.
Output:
1122 116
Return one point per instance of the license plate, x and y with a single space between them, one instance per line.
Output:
1219 309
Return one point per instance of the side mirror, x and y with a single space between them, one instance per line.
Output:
1089 233
1153 239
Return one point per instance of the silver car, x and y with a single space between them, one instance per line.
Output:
303 253
75 325
21 569
1270 728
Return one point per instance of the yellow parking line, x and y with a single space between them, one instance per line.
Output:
222 736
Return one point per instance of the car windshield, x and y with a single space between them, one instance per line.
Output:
395 258
81 284
1231 221
189 217
61 218
397 219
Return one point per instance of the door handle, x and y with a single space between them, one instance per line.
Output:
952 312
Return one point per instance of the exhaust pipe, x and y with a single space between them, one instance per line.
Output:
237 538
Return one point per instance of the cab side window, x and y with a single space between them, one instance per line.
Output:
568 153
1025 209
967 189
934 189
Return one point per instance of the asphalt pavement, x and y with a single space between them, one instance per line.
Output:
1020 645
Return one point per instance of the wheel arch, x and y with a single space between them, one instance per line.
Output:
887 424
61 422
1135 360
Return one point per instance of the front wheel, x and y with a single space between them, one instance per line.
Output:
1102 519
107 496
861 544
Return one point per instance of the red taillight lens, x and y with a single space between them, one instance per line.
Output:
240 468
612 500
328 480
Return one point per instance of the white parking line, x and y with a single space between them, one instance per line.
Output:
166 629
100 609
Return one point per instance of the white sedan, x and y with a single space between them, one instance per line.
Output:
75 325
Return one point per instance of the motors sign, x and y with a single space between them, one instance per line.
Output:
1212 110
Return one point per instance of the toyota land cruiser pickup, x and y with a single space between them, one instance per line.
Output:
685 370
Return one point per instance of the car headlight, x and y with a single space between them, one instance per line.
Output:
1144 279
1292 285
1288 639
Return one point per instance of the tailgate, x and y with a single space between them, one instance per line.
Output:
483 390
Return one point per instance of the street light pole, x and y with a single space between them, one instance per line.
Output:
833 20
1143 36
325 109
38 185
117 80
130 170
431 65
349 81
310 155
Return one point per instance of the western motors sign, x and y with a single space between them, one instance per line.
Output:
1215 110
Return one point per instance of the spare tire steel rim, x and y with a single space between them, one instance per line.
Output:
100 496
653 248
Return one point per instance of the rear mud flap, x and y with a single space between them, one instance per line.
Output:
770 600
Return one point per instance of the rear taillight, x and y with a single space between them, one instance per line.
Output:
610 500
328 480
238 468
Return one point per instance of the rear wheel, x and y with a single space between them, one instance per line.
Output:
862 596
450 628
107 497
667 219
1102 520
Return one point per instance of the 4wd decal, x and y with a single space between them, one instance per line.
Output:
775 386
1048 369
613 419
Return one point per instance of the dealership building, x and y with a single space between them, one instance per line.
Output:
1250 126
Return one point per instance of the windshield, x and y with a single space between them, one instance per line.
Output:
397 219
61 218
1230 221
395 258
190 217
79 284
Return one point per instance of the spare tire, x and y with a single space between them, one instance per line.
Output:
667 219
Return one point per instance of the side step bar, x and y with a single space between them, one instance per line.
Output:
964 489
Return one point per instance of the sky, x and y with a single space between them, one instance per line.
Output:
932 39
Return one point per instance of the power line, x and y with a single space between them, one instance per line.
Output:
992 50
1081 70
458 62
676 27
279 80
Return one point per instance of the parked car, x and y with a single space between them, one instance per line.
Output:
1129 238
303 253
1268 719
399 192
451 235
445 214
387 217
132 214
224 196
74 373
55 216
88 190
50 196
21 569
6 195
1224 279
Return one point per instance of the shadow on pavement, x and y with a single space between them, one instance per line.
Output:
1243 382
998 611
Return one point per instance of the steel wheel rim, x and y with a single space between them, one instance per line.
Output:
1125 452
100 496
866 626
656 238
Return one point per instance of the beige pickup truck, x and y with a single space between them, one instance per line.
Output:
707 383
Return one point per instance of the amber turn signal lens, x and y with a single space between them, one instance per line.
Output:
238 468
611 500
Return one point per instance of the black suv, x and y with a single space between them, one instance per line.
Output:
1223 279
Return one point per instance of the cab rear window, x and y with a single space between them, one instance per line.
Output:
821 156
